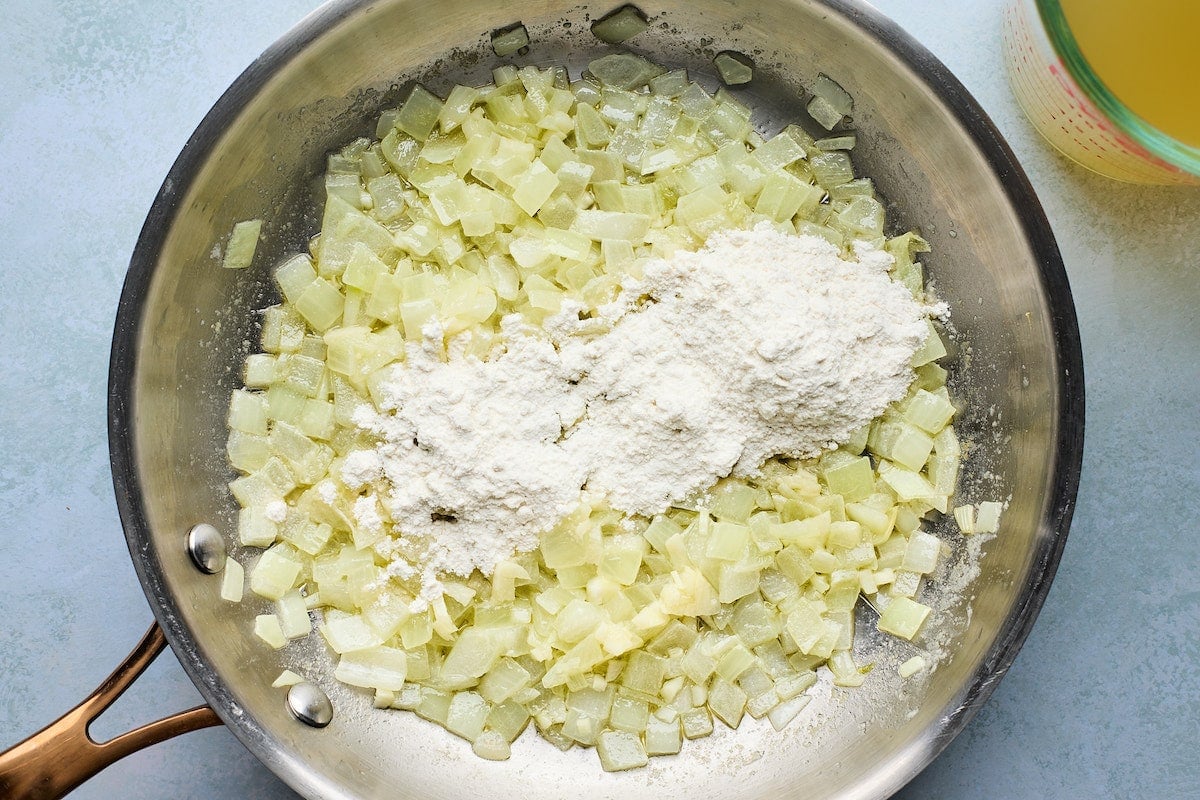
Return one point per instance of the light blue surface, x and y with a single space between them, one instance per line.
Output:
96 99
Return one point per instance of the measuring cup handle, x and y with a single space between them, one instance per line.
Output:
63 755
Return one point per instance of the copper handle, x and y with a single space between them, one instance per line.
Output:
63 755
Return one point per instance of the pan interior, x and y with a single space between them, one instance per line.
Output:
186 325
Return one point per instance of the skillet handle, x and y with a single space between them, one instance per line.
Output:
63 755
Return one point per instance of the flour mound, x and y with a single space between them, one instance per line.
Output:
760 344
708 364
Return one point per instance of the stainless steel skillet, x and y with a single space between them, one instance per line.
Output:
184 326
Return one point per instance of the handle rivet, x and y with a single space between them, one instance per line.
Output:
309 704
206 546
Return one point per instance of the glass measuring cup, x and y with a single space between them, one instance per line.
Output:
1076 112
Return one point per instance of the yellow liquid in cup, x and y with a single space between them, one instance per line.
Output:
1147 52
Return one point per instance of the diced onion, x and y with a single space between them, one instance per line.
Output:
243 242
619 25
623 634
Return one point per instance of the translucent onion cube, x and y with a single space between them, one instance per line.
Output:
629 714
758 706
504 580
504 680
964 516
306 535
535 187
734 68
474 653
853 479
783 196
698 665
387 197
507 41
903 443
727 541
624 70
248 412
295 275
987 517
233 581
243 241
364 269
274 574
697 723
845 671
787 711
793 563
663 737
832 168
601 226
320 304
643 672
266 627
260 370
670 84
928 411
903 617
492 746
578 619
922 553
414 314
804 624
620 750
737 580
509 718
790 686
825 114
904 584
373 668
688 593
347 633
844 534
622 558
419 114
907 484
617 26
293 615
911 667
727 702
434 704
845 142
287 678
931 350
254 529
862 217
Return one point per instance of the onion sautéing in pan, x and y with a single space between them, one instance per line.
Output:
624 632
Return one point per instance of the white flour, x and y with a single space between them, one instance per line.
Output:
757 345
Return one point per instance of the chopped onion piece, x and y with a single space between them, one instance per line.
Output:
266 627
507 41
787 711
492 746
903 617
617 26
233 581
964 515
287 678
911 667
734 68
624 70
243 241
373 668
620 750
